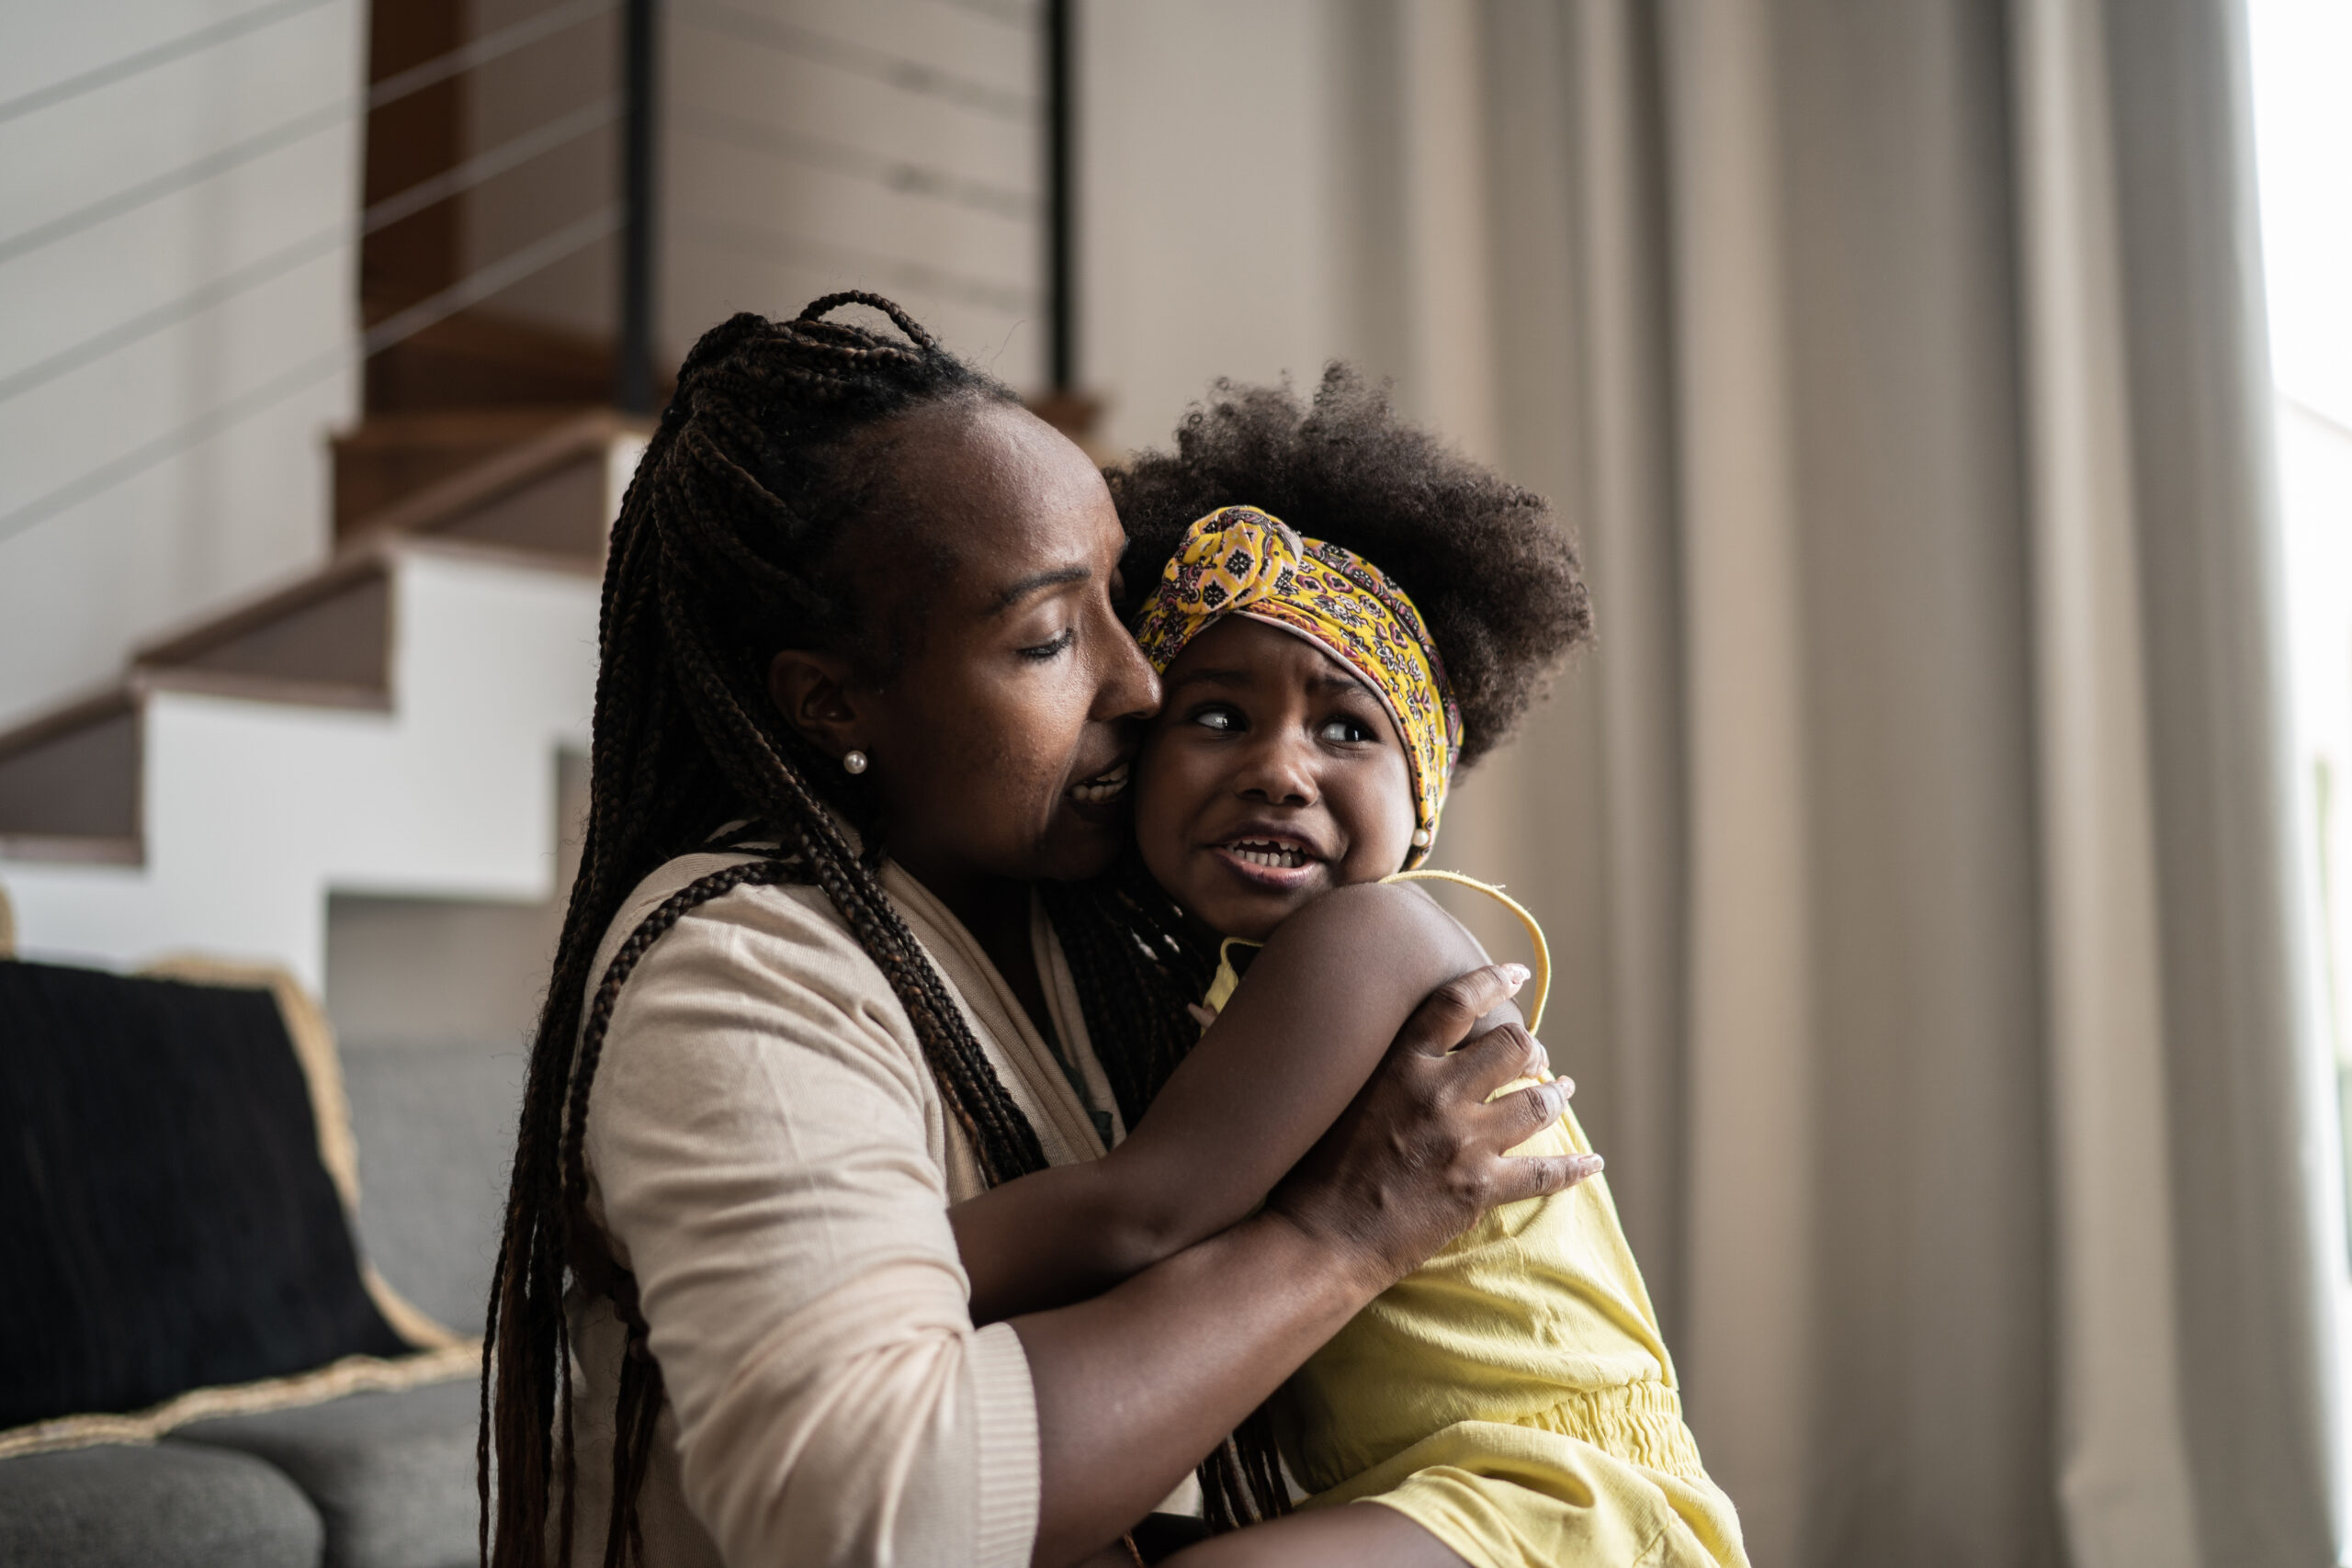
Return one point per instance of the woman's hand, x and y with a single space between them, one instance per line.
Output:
1133 1386
1418 1155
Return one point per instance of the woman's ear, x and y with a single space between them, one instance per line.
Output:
814 693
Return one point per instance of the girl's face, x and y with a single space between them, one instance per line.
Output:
1018 689
1273 773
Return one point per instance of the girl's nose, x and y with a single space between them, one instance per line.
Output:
1278 772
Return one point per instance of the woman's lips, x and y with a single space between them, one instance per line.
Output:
1103 787
1102 799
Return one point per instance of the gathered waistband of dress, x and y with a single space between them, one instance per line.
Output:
1640 1423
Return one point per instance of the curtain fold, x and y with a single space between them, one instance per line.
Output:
2252 1149
1914 840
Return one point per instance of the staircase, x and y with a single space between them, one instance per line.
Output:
389 723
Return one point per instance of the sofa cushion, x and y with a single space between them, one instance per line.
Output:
435 1124
182 1229
392 1475
166 1506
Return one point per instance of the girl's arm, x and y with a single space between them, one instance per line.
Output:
1321 1004
1133 1386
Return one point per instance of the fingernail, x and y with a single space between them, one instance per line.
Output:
1568 1086
1591 1165
1516 973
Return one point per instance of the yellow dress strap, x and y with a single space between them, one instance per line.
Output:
1542 979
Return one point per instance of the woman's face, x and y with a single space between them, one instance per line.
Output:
1000 744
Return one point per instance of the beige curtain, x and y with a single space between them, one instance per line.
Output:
1914 841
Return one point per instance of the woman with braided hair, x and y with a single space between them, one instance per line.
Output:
862 693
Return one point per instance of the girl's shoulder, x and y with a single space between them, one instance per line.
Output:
1368 911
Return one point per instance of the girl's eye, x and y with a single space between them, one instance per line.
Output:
1217 718
1344 729
1046 650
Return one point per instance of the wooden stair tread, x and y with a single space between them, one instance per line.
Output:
390 458
177 663
328 627
574 450
66 848
73 773
460 427
533 495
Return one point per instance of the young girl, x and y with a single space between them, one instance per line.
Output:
1512 1399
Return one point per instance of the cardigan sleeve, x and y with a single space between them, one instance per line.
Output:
767 1156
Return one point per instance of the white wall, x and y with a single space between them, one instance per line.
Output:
1212 198
1269 184
172 347
889 145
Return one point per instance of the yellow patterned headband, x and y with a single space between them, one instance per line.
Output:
1239 560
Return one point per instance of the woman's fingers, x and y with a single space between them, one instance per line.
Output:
1541 1176
1515 1118
1422 1153
1500 1055
1446 1016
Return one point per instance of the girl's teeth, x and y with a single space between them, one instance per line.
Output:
1285 859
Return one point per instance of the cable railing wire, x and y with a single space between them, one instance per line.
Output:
485 48
505 42
835 157
481 284
1012 13
773 246
475 170
469 290
146 323
415 79
132 197
896 71
507 156
148 59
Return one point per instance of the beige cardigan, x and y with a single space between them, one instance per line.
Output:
769 1156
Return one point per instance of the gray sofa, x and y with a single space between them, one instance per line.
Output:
376 1480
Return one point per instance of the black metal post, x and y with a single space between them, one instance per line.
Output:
633 372
1061 272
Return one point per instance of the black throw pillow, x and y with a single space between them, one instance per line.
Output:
165 1222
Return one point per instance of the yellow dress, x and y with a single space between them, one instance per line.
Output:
1512 1396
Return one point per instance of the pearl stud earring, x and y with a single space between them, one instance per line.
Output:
855 762
1420 838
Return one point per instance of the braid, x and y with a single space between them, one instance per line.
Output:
1137 965
729 529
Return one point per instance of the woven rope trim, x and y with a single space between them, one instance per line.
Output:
352 1374
314 1048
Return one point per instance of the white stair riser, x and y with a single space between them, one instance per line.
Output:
253 812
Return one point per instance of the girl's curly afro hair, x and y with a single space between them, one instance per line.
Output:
1496 579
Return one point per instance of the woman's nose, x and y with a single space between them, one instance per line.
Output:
1130 686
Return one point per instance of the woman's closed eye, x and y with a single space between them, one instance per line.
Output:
1046 650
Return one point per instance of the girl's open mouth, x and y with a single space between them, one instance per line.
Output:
1271 865
1270 853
